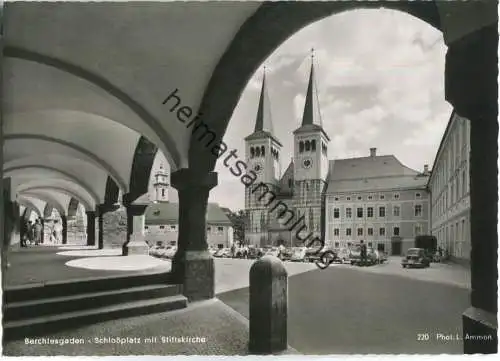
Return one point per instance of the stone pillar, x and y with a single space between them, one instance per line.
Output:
105 233
90 228
268 306
64 224
471 87
193 265
136 242
8 224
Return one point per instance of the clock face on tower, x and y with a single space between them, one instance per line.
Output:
257 168
307 163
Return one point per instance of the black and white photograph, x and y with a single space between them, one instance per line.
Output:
235 178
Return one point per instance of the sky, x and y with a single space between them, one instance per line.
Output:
380 79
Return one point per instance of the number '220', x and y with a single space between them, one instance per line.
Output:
423 337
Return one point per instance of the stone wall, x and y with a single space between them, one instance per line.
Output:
115 228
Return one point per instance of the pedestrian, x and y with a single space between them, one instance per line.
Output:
233 250
363 252
31 232
38 231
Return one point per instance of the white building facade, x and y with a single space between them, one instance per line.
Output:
450 190
162 219
378 200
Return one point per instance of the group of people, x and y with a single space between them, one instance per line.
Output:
32 233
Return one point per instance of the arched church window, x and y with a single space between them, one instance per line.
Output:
252 152
308 145
257 152
163 192
263 151
313 145
301 146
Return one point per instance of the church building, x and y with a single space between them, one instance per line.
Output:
374 198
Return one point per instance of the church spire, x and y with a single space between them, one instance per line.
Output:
264 120
312 113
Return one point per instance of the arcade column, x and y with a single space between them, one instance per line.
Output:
193 265
471 87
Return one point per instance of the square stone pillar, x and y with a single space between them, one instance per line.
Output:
471 87
64 229
105 232
90 228
193 265
136 225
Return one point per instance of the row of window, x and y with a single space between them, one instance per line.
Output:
369 231
174 228
396 211
452 194
417 230
418 195
261 152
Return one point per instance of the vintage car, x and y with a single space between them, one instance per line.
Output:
298 254
343 255
286 254
416 257
381 256
169 252
271 251
355 256
222 252
254 252
324 254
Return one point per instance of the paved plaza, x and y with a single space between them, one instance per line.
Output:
343 309
348 310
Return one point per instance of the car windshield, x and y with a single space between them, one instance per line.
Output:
413 252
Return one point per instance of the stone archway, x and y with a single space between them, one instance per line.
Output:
470 87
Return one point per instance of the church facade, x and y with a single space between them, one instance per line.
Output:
342 201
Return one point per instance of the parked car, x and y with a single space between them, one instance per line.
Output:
170 252
241 252
416 257
153 251
313 254
298 254
286 254
355 256
223 252
343 255
381 256
254 252
273 251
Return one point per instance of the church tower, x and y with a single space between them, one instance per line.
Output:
161 185
262 153
310 160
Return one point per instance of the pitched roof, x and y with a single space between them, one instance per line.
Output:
263 122
168 213
311 117
372 173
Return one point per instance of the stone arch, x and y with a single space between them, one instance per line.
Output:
87 187
172 155
245 54
112 192
47 210
142 164
29 205
98 161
